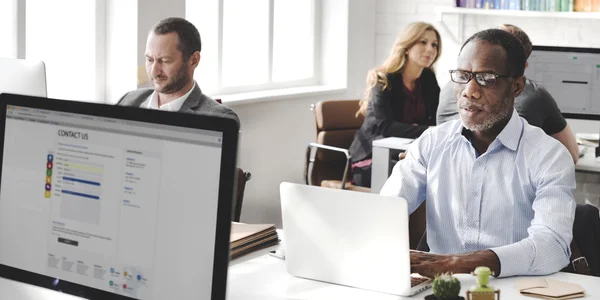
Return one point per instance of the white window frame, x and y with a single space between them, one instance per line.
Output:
270 84
21 45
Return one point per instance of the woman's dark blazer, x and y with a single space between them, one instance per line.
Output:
385 111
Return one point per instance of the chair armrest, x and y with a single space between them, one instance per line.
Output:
321 146
310 160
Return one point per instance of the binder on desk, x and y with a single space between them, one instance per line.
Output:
247 238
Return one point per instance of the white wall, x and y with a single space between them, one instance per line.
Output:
149 13
394 15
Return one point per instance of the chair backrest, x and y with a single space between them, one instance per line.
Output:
336 124
241 178
586 237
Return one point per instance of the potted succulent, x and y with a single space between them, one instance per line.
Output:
445 287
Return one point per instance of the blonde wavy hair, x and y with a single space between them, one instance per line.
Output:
397 59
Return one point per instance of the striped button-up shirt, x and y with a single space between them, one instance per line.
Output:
515 199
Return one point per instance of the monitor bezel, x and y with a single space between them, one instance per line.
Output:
227 125
580 116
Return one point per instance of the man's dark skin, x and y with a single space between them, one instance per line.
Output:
476 105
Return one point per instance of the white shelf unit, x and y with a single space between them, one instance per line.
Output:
462 12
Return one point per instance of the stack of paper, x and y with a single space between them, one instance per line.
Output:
247 238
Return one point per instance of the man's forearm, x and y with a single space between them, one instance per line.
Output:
467 262
567 138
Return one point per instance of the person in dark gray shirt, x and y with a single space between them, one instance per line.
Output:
534 104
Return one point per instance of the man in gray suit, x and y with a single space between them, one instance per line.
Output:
172 54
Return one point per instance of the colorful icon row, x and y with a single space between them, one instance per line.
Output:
49 166
125 274
111 283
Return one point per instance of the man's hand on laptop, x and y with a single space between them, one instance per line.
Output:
429 265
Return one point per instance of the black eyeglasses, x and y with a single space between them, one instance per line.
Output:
482 78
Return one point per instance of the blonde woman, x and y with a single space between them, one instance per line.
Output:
401 98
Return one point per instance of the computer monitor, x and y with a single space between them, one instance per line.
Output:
109 202
571 75
24 77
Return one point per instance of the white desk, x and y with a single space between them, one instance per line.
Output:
589 162
381 160
266 278
263 277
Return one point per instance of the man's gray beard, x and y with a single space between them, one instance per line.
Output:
489 123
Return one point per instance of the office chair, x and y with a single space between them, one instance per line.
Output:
241 178
328 160
585 247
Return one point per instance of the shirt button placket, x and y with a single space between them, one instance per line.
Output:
473 204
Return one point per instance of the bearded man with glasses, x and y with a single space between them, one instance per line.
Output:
535 104
498 190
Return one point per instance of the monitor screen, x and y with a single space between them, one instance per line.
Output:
121 206
571 76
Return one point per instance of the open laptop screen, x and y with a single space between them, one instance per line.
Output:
116 205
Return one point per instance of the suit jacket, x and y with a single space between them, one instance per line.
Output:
196 103
385 111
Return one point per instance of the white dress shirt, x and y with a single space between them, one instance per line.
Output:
175 105
515 199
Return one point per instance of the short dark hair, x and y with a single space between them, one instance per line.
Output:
515 53
189 37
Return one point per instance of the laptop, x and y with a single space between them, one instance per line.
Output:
24 77
348 238
110 202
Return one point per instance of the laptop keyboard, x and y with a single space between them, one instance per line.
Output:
414 281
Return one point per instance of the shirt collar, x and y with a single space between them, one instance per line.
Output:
174 105
509 136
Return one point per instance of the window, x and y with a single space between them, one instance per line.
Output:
8 12
293 40
63 34
67 35
255 45
245 42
